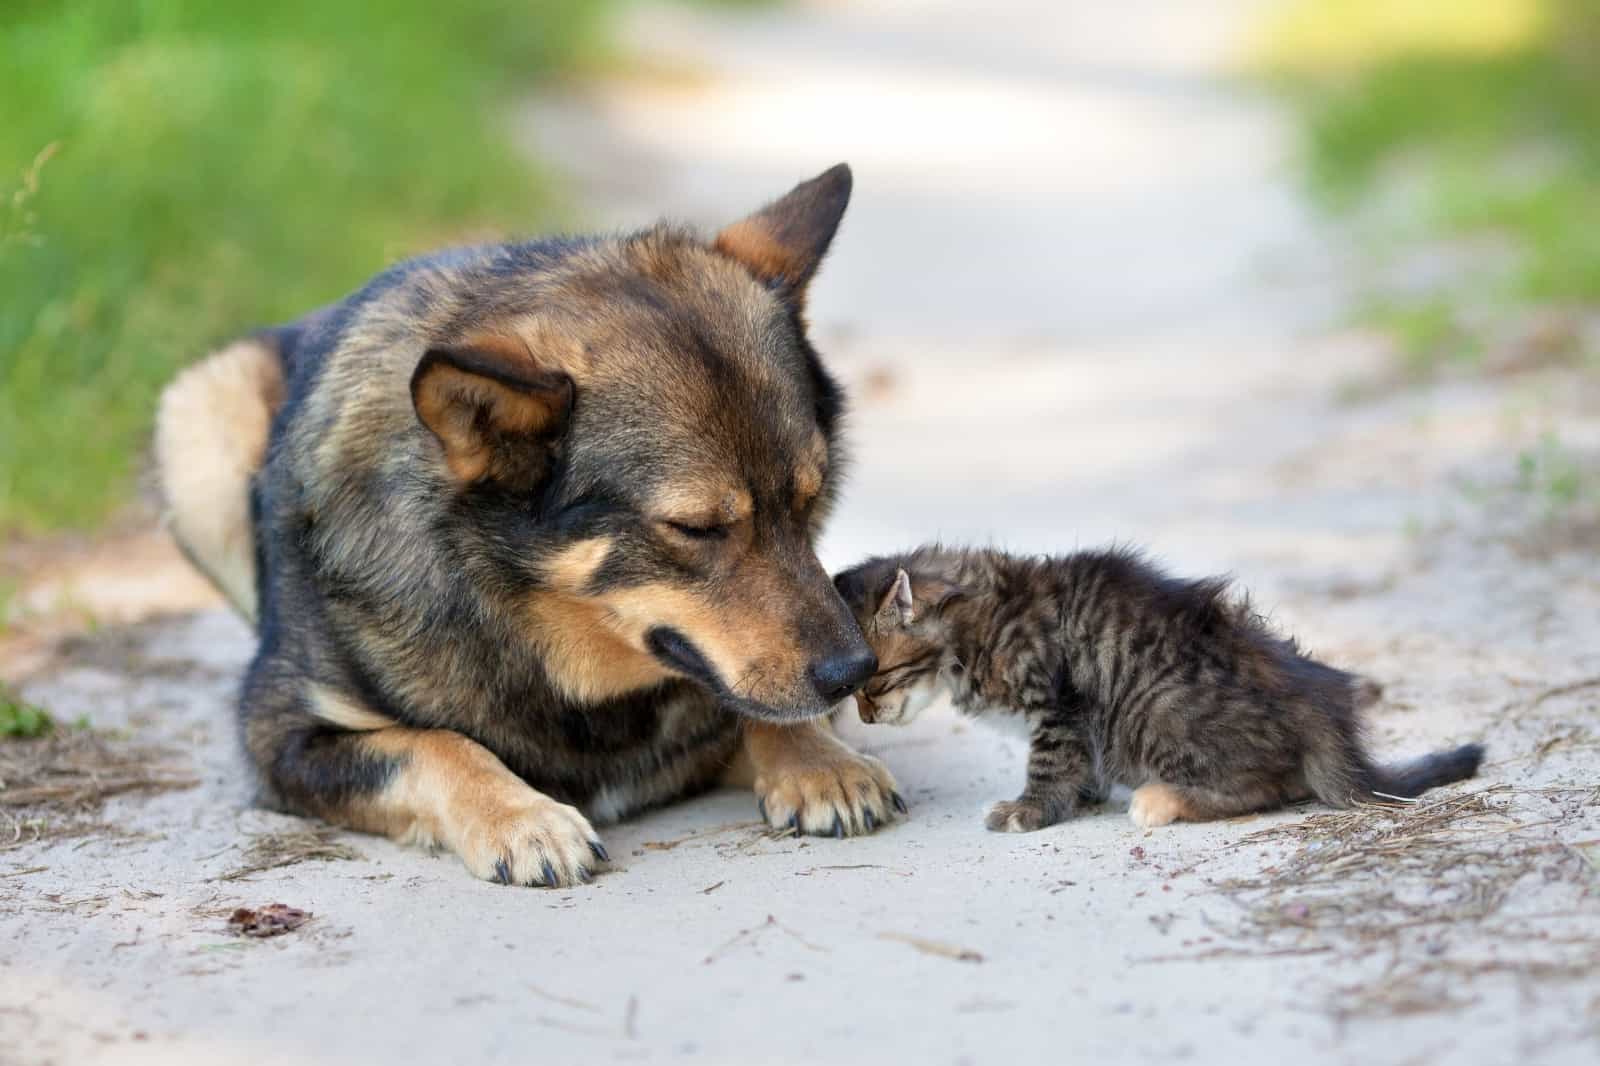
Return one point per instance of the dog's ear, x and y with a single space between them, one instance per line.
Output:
783 243
499 419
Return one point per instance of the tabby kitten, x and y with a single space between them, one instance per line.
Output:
1124 676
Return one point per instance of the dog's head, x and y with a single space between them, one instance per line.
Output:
640 445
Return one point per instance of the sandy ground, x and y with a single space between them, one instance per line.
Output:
1077 300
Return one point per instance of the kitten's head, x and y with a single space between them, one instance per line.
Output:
901 610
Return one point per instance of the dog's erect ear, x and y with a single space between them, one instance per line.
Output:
783 243
499 419
896 605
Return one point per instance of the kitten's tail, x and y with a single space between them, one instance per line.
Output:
1410 780
1339 773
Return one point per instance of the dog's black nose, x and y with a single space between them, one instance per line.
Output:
838 676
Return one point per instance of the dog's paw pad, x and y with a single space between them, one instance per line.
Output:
846 795
536 842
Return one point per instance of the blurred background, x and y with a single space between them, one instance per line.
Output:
1133 195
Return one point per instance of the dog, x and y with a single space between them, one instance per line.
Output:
526 532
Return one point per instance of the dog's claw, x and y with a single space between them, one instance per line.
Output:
872 822
599 850
502 871
899 802
838 826
761 805
549 875
584 875
794 823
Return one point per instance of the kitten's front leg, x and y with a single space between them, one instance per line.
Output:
1059 774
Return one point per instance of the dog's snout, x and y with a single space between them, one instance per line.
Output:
839 675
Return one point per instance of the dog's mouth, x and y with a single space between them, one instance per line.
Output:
677 652
674 650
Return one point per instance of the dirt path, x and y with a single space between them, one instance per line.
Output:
1077 300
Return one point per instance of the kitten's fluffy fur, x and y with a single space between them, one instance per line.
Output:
1125 676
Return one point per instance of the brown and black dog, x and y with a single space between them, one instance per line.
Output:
526 531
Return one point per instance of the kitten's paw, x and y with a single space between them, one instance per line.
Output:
842 794
1019 816
536 842
1156 804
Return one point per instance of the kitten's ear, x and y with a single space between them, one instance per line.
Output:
896 605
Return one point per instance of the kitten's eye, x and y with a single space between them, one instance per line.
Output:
692 531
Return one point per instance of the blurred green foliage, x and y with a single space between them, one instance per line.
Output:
174 172
1487 112
19 718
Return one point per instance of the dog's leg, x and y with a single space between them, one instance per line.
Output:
427 786
807 779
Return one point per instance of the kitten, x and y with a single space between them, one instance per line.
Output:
1124 676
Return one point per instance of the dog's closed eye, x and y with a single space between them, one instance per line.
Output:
697 530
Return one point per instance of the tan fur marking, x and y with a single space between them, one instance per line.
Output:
584 655
688 502
595 646
210 438
574 567
807 483
1158 804
532 343
811 472
750 243
347 714
449 790
749 649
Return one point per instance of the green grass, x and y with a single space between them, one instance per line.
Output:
1488 110
18 718
173 172
1554 474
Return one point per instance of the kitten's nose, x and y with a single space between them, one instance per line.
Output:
839 675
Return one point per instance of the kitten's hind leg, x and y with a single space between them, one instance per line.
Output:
1059 773
1158 803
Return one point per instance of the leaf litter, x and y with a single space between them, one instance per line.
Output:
1392 883
51 786
269 851
274 919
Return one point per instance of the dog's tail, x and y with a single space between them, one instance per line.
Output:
1411 779
210 439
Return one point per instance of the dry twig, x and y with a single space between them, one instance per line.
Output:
1386 879
268 851
50 786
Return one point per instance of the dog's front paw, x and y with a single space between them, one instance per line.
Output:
1022 815
838 793
534 841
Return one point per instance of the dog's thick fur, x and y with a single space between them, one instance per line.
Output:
529 540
